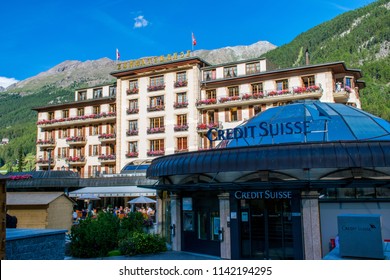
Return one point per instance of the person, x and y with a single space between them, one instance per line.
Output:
338 86
74 215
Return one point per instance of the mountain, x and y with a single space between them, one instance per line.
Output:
361 38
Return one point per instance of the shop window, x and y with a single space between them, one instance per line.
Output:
188 221
383 192
202 225
215 226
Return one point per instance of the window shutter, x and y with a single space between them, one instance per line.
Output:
59 133
227 115
216 119
239 113
251 113
90 150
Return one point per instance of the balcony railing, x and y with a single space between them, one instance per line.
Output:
46 143
132 132
341 94
131 154
84 118
154 108
207 101
155 153
76 140
107 137
178 105
152 130
207 126
178 151
45 162
180 127
130 111
134 90
178 84
76 160
156 88
107 158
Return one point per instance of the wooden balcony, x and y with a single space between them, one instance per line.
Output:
341 96
76 141
107 137
76 161
106 159
44 144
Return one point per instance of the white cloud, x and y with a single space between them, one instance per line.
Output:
5 82
140 21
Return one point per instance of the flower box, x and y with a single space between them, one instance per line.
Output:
156 153
181 127
155 88
156 130
178 105
132 91
180 84
132 111
132 154
206 101
132 132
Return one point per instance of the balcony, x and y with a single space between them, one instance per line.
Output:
76 161
201 127
107 137
132 132
178 151
93 118
131 111
45 162
76 141
131 154
342 94
154 130
181 127
156 153
134 90
156 87
179 84
46 143
179 105
155 108
295 93
104 159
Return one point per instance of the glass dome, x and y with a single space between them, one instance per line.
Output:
305 122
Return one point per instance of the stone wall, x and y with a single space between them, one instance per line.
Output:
35 244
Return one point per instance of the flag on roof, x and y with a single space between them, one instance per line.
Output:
118 55
193 40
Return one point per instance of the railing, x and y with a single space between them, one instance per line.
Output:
77 118
206 126
152 153
76 160
105 158
131 154
178 84
180 127
156 88
130 111
105 137
43 162
178 105
46 143
132 132
134 90
178 151
156 108
76 140
152 130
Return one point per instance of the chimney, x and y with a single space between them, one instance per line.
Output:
307 57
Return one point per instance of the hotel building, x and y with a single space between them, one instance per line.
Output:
165 105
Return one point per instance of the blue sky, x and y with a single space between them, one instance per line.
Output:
37 35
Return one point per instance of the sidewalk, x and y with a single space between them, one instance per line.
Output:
168 255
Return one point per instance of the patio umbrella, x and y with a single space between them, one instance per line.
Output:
141 200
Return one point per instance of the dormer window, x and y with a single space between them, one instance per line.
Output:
229 72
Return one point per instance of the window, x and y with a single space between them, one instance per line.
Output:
97 93
64 132
282 84
65 113
211 94
78 152
95 130
181 97
210 116
79 131
63 153
96 110
95 150
181 76
133 147
348 81
80 112
181 119
308 81
82 95
157 145
133 125
133 84
229 72
233 114
252 68
133 104
157 122
112 90
182 144
95 171
233 91
157 81
50 115
209 75
112 108
257 88
156 101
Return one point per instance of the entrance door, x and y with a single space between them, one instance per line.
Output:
266 229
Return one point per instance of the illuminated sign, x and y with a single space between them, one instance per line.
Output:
263 195
263 129
152 60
